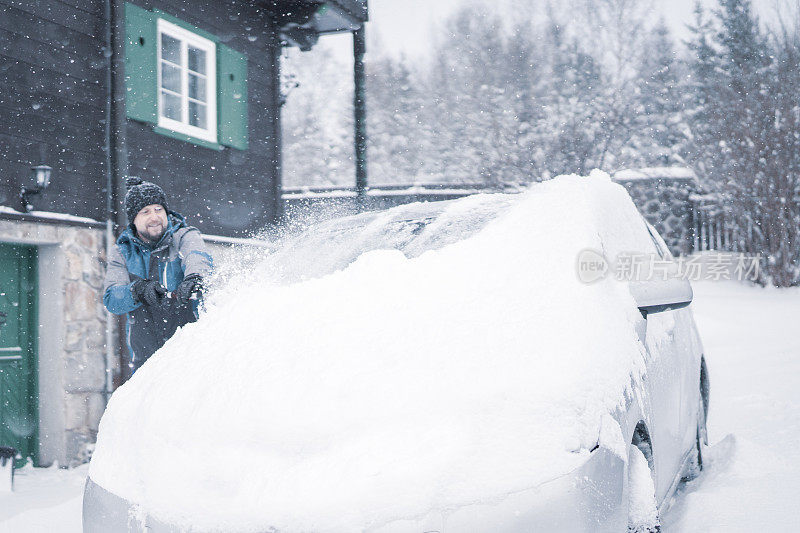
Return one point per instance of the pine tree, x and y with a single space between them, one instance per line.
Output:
659 137
317 121
703 111
744 134
397 133
569 130
474 108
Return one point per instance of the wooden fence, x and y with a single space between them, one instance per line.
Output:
713 230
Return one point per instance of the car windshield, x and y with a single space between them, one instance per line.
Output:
412 229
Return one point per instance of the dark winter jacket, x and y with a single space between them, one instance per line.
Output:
178 253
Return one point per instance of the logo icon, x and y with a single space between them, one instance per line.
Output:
592 266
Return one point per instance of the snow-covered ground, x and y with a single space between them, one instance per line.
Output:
44 500
752 342
753 479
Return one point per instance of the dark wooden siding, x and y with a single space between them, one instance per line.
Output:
228 192
53 96
52 102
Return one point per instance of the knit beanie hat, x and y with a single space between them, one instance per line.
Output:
141 194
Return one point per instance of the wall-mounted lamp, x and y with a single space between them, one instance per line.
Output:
40 176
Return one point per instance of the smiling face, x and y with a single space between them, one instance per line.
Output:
151 222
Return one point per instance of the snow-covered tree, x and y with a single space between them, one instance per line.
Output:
745 133
473 103
317 120
398 132
568 129
661 133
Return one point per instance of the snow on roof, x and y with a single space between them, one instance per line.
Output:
393 386
49 215
655 173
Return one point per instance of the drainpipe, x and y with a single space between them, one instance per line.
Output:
360 109
116 157
109 384
276 101
118 140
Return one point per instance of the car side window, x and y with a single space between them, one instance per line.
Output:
661 248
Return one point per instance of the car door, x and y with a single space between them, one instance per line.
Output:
635 257
666 373
688 355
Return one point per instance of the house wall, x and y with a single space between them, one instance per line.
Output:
53 110
227 192
52 102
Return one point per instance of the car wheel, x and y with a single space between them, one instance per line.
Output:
701 441
642 507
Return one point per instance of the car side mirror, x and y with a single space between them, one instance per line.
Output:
656 296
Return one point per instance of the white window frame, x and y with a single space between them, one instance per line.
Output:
210 48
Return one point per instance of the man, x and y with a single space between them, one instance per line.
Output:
154 270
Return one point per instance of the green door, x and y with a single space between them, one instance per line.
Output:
18 395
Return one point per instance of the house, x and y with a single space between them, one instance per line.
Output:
185 93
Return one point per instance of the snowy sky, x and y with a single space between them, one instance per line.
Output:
406 26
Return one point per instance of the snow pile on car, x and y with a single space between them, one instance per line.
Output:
393 386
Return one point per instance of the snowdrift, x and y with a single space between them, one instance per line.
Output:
391 387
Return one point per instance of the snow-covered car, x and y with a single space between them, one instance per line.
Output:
491 363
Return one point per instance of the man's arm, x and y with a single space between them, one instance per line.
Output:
117 296
194 257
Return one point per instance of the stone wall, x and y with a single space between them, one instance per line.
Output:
85 338
72 334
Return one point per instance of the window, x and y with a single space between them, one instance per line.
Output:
658 242
186 82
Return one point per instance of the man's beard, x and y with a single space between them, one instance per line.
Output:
149 236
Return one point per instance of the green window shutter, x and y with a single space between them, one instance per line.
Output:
232 91
141 78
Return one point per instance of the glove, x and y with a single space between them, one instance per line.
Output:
148 292
191 284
